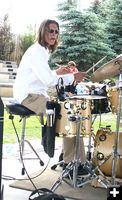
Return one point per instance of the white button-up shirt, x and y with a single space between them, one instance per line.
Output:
34 74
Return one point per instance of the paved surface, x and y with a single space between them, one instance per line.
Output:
11 167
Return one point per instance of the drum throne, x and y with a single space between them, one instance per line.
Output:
24 113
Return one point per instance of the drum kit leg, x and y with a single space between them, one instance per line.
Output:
93 172
73 165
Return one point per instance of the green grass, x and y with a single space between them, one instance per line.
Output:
33 127
107 119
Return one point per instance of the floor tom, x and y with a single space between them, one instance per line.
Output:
103 147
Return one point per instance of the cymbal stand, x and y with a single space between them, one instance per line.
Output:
73 165
93 173
116 141
115 153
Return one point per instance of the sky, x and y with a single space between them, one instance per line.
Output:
23 13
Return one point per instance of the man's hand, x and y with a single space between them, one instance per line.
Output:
79 76
62 70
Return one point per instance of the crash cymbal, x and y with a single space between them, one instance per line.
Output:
108 70
89 97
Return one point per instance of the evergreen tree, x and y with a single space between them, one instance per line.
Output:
6 39
101 9
109 13
26 41
82 38
114 26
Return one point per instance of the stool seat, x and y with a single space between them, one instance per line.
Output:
18 109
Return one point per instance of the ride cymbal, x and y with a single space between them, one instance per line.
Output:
108 70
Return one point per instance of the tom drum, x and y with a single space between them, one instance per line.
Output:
66 127
103 147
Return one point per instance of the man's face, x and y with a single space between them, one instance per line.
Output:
51 34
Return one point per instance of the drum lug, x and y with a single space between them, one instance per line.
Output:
100 156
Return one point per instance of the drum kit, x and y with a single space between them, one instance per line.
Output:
106 160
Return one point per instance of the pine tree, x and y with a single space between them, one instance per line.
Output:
114 26
6 39
82 38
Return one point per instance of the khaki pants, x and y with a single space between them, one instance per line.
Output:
36 103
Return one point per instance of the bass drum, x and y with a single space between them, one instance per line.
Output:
103 147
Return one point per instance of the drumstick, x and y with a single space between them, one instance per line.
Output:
96 64
88 79
88 75
57 65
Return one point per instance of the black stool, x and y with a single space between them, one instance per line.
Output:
24 113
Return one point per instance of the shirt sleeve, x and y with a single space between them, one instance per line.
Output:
39 65
41 68
67 78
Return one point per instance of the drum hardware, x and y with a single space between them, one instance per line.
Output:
117 133
95 173
60 90
100 120
73 165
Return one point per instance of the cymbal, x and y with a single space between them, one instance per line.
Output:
108 70
85 96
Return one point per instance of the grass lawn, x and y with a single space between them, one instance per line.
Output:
33 128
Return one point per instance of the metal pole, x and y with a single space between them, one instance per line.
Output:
116 141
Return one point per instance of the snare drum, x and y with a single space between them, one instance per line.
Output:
113 95
103 147
66 127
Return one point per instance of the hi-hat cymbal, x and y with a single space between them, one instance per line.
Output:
88 97
108 70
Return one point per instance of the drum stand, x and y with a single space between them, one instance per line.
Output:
116 142
79 181
73 165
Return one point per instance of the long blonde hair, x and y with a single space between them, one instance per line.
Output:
41 34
